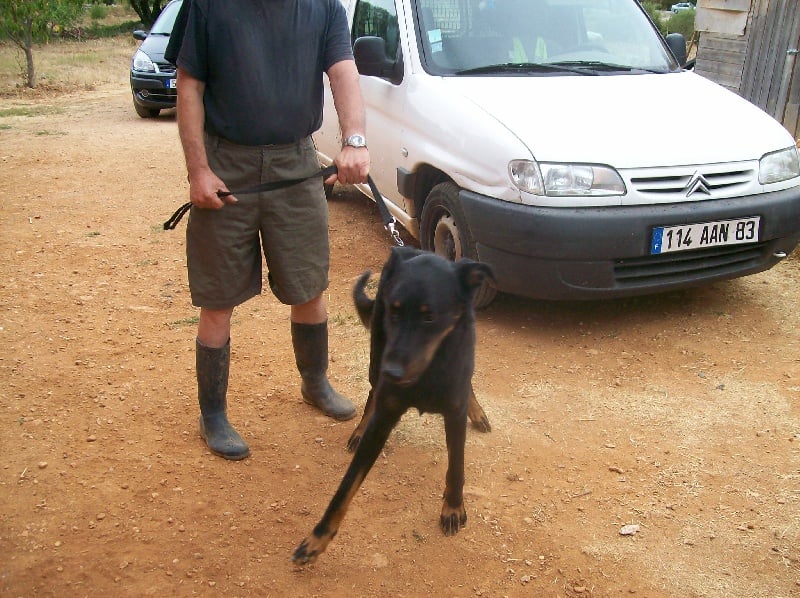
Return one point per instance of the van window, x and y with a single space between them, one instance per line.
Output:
461 35
377 18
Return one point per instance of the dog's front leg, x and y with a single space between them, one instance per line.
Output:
377 431
454 516
369 409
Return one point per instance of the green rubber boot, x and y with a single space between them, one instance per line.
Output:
213 366
310 343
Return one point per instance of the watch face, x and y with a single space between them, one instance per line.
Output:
356 141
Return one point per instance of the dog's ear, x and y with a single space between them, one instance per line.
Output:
472 274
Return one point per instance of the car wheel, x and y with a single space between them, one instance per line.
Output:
444 231
146 112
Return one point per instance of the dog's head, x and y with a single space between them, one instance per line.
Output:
422 299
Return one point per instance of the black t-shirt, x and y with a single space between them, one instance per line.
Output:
262 62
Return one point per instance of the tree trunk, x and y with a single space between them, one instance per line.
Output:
30 76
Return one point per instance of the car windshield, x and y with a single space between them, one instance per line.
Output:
166 20
539 37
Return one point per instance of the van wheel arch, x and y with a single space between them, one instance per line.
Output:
444 231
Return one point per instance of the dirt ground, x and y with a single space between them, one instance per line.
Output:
677 413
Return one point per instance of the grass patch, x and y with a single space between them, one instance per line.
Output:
26 111
343 320
183 322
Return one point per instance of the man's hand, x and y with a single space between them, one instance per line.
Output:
203 187
352 164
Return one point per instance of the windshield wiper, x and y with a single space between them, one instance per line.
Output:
524 67
597 66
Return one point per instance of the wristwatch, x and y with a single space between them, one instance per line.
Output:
356 140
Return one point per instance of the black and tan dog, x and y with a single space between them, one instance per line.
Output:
422 354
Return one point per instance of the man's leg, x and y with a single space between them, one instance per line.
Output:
310 341
213 357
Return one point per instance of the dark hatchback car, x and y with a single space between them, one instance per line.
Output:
153 79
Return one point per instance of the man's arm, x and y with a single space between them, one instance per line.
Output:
203 183
352 163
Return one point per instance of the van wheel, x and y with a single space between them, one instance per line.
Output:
444 231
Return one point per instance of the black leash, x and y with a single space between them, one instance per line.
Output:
389 221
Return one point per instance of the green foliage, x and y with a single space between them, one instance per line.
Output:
98 30
98 12
683 22
26 22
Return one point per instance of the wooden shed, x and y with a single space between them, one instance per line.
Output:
751 47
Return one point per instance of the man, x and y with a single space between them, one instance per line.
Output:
250 81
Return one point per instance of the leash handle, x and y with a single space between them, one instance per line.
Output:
273 185
389 221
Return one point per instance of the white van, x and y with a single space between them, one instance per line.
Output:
561 142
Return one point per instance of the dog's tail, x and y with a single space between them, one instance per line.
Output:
363 303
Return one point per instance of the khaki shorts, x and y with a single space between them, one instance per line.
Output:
224 247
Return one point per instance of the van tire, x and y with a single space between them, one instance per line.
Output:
146 112
444 231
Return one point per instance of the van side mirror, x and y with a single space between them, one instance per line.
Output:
371 60
139 34
677 44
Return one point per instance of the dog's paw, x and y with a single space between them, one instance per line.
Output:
477 415
308 551
452 519
482 424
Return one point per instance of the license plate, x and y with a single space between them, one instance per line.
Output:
172 83
684 237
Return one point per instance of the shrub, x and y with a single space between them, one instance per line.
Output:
683 22
98 12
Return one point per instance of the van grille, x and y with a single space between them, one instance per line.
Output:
691 183
166 68
681 265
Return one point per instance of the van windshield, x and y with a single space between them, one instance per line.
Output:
539 37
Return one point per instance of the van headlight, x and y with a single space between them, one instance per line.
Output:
141 62
779 166
565 180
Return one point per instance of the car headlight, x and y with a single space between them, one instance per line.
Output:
565 180
779 166
141 62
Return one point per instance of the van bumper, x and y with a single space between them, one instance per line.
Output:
604 252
